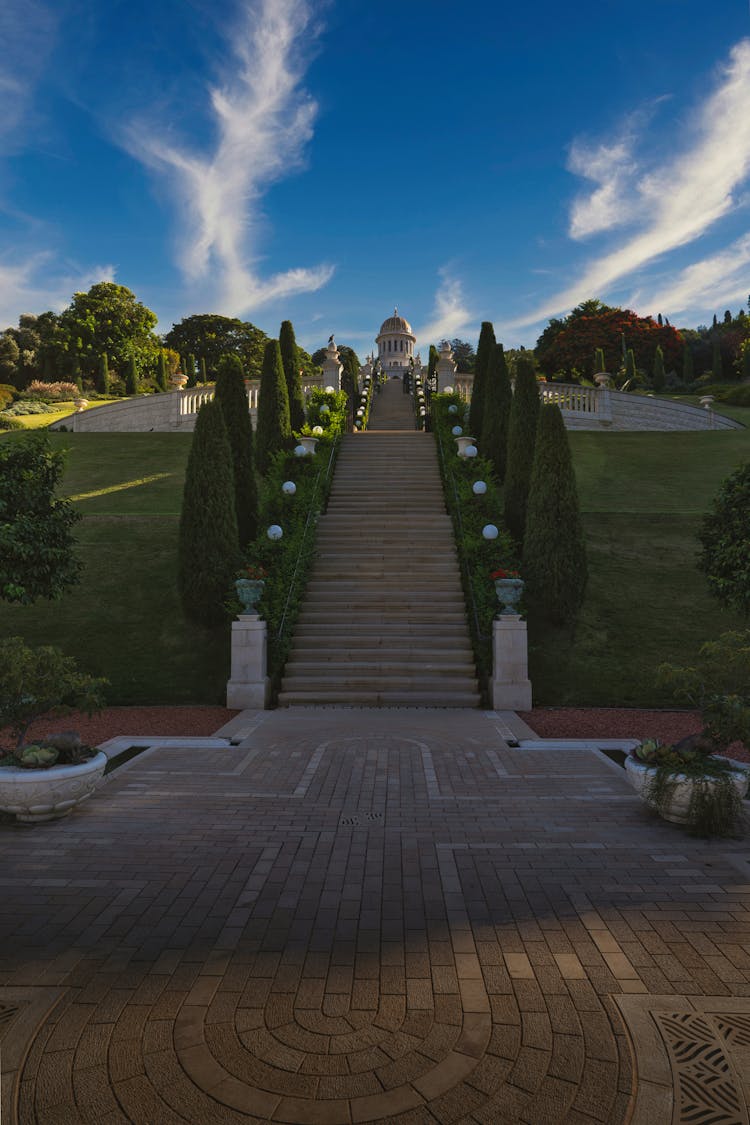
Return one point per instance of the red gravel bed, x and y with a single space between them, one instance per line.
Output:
611 722
168 722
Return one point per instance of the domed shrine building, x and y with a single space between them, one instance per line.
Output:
395 344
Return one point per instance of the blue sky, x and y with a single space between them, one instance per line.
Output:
324 162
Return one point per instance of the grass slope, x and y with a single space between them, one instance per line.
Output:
642 497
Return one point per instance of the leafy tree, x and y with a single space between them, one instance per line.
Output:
717 367
36 540
35 681
566 346
273 429
290 360
493 441
108 319
210 336
161 372
9 356
232 397
554 550
524 416
208 552
102 382
658 375
131 377
464 356
482 367
725 538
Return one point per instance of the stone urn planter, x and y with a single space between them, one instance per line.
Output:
642 776
36 795
463 441
249 591
308 443
179 381
509 591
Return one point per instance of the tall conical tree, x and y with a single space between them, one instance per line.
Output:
432 362
688 371
131 377
204 376
102 381
599 361
493 439
161 372
524 416
631 371
232 397
658 376
485 357
191 371
208 555
290 360
554 548
273 429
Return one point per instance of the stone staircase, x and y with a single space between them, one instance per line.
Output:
384 621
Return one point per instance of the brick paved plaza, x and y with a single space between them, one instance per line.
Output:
372 915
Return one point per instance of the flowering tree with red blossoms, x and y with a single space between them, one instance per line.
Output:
567 346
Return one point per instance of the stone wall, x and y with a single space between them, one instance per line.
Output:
588 408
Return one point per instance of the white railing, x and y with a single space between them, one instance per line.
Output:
192 400
569 396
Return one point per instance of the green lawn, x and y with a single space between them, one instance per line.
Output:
642 496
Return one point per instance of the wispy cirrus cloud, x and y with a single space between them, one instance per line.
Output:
35 286
720 279
677 200
264 121
450 314
27 35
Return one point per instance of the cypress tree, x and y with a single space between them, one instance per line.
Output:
432 363
273 430
688 373
232 397
485 355
493 439
131 377
745 369
717 368
524 416
191 371
204 376
208 555
290 360
599 361
102 382
161 372
658 377
631 371
554 548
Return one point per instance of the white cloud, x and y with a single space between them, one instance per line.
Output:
27 35
264 120
450 316
29 286
612 168
721 279
680 199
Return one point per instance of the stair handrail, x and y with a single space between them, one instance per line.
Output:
312 514
468 584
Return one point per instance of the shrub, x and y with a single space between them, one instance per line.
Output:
554 550
50 392
737 396
725 538
9 423
24 406
36 540
232 397
208 553
7 394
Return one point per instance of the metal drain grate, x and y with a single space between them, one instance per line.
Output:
361 818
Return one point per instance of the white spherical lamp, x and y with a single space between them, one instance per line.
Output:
317 430
457 431
300 451
274 531
489 531
448 391
479 488
453 409
289 488
470 451
330 390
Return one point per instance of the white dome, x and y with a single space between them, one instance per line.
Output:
395 323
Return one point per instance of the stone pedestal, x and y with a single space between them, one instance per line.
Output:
510 688
332 367
446 368
249 685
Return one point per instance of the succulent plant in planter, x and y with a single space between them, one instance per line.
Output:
45 779
693 782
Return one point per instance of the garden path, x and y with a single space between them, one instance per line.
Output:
364 915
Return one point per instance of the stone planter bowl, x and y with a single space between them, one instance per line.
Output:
38 795
641 776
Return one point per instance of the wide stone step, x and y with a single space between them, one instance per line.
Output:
377 669
366 648
355 698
